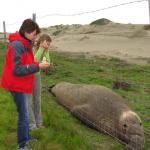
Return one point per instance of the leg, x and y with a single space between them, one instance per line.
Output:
32 123
37 99
21 101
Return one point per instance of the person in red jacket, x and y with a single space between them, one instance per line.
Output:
18 75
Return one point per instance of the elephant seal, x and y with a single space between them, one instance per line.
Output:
102 109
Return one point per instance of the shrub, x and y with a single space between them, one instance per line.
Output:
102 21
147 27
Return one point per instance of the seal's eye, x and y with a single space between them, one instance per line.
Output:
140 123
125 125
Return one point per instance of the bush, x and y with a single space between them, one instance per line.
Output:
102 21
56 32
147 27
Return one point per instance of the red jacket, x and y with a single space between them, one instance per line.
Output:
19 67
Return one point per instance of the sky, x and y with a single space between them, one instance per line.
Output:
56 12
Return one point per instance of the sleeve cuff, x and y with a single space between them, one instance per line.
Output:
37 64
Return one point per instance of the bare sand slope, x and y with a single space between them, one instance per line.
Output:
125 41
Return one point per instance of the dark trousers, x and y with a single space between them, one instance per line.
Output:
21 101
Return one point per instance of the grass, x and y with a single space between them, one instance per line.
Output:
63 131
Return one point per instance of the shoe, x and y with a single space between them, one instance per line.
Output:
32 127
26 147
32 139
40 126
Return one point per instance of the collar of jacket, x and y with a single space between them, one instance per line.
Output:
17 37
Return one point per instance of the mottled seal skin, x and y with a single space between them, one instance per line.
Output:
102 109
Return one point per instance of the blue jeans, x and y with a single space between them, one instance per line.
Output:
21 101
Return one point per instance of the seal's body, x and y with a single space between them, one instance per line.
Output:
103 110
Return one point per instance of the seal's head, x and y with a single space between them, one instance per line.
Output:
132 129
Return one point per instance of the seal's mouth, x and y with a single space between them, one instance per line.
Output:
50 89
136 143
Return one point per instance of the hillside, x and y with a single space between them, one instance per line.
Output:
129 42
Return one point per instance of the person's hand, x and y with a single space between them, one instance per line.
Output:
44 65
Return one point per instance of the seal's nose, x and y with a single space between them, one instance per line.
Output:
136 143
50 90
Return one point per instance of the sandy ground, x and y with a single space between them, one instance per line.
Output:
125 41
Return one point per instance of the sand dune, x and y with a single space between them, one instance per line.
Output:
125 41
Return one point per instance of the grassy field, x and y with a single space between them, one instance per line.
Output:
63 131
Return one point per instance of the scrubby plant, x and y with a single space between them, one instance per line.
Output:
147 27
56 32
102 21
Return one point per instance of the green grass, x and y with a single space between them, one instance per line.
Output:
63 131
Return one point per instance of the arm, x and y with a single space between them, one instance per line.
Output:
39 55
20 69
47 56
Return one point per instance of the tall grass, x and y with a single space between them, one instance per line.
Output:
63 131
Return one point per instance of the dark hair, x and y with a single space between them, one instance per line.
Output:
42 38
29 26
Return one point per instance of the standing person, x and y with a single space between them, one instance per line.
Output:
41 54
18 75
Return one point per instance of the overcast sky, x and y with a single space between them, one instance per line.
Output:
13 12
